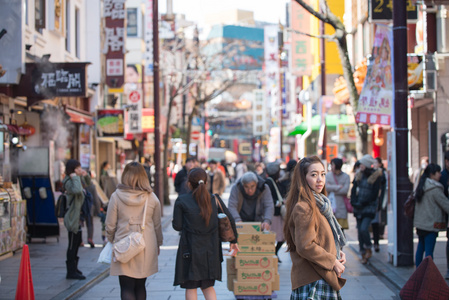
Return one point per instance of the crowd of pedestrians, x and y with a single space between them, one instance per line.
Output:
305 203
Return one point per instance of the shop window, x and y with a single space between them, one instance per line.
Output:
39 15
131 22
67 26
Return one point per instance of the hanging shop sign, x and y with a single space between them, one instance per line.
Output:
381 11
148 28
114 45
110 123
301 52
135 112
271 55
49 80
376 99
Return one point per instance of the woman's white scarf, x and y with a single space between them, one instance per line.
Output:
325 207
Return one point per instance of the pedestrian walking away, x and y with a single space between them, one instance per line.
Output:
250 200
313 235
181 177
444 180
430 207
199 256
277 223
124 216
364 196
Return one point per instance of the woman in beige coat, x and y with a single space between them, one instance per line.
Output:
125 215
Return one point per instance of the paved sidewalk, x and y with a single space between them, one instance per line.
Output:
376 280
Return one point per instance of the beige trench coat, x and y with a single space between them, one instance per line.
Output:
125 214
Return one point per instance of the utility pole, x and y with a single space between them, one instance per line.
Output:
323 90
403 186
157 119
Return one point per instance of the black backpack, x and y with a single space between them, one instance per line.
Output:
61 206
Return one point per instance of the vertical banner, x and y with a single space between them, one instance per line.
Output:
149 36
376 99
135 112
271 55
301 60
114 44
84 134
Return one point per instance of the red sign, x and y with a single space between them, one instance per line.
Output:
195 135
114 45
134 97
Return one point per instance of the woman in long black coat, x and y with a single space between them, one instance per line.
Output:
199 257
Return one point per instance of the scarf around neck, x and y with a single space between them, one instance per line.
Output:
325 207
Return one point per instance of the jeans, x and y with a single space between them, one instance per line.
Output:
363 233
425 243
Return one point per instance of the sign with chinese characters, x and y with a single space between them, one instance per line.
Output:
114 44
149 37
271 57
135 112
49 80
376 98
301 54
382 11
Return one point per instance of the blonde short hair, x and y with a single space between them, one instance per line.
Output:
135 177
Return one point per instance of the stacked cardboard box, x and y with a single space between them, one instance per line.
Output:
254 271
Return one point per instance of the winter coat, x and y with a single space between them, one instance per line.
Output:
365 193
315 253
339 185
274 196
264 206
284 183
199 253
181 182
218 185
75 199
430 211
125 215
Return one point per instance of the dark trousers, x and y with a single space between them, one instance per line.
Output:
74 243
363 233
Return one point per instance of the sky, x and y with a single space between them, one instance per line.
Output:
264 10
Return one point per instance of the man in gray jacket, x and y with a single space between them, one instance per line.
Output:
251 201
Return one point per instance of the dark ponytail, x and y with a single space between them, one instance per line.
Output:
198 178
430 170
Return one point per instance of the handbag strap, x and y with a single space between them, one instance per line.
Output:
218 202
335 178
277 190
144 214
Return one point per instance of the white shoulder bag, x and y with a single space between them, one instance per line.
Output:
132 244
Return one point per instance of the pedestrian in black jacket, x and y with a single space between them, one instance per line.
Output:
181 177
199 257
364 196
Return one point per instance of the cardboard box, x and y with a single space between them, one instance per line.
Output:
231 278
256 275
260 238
256 250
256 261
230 266
248 227
252 288
275 285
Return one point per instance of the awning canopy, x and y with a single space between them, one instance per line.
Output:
78 117
331 123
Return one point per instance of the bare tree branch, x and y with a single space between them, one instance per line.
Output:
327 37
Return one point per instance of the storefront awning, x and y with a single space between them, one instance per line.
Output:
331 123
78 117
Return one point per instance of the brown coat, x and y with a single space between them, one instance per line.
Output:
218 185
125 214
315 253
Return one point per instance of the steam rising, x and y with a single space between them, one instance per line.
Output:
56 126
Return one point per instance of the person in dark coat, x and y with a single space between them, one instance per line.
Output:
364 196
199 257
181 177
444 180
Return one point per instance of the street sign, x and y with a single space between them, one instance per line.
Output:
195 135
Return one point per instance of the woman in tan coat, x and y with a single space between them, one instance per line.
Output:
313 235
125 215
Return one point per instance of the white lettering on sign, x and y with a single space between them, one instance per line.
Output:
114 9
115 39
73 80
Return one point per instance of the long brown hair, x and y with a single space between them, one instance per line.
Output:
135 177
200 192
300 191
